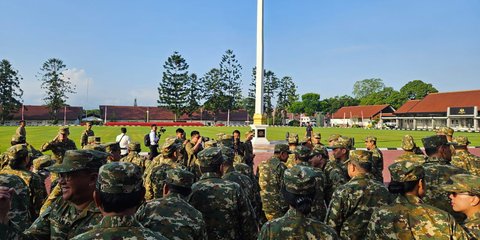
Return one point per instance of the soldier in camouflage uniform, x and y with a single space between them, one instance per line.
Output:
19 212
171 215
299 191
463 158
353 203
270 173
335 170
410 151
40 164
192 148
319 209
377 156
292 144
119 191
210 143
447 132
134 157
438 171
248 171
409 217
319 158
156 171
18 160
59 145
86 133
223 204
19 139
115 152
316 140
465 195
238 147
248 156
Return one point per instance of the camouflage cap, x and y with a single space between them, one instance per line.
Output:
461 141
210 143
94 146
407 143
43 162
302 152
18 138
227 137
210 157
464 183
16 152
317 135
134 146
435 141
446 131
170 145
91 139
243 169
371 139
228 153
341 142
119 177
249 132
319 150
180 177
75 160
219 136
112 146
299 180
282 148
360 156
64 130
305 140
333 137
406 171
293 138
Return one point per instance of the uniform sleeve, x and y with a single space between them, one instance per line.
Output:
265 232
374 229
335 216
39 193
47 146
248 224
40 229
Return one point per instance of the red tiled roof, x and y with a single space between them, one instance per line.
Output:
368 111
407 106
439 102
33 112
139 113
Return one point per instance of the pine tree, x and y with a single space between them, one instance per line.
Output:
214 86
195 94
230 71
57 86
10 91
172 90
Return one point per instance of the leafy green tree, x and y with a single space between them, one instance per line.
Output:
417 89
10 91
296 107
270 87
216 100
172 92
331 105
367 86
387 96
57 86
195 94
230 70
311 103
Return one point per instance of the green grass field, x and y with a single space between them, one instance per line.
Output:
37 135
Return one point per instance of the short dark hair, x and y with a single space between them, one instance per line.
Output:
302 203
184 191
401 187
194 132
123 130
21 121
431 151
179 130
236 131
120 202
153 125
364 165
212 168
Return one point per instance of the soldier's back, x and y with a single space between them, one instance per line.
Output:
173 217
467 161
411 156
319 208
335 176
377 169
135 158
270 174
19 212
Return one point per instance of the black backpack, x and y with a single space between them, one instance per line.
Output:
146 140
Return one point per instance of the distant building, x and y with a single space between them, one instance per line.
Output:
458 110
35 115
360 116
156 114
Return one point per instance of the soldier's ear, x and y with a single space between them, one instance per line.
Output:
475 201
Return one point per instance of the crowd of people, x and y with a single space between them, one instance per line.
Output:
201 188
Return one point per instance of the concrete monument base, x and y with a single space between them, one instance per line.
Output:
260 135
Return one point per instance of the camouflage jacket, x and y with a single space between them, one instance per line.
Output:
472 226
118 228
352 205
270 174
336 176
135 158
35 185
437 174
377 168
190 159
319 209
248 153
291 160
224 207
155 174
411 156
32 152
63 221
294 225
19 213
409 218
173 217
84 138
465 160
58 148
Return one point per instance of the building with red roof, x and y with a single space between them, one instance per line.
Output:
360 115
40 115
458 110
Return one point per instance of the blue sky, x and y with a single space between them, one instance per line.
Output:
119 47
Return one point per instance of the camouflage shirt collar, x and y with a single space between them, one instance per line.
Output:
408 198
174 195
437 160
293 213
474 219
209 175
118 221
361 176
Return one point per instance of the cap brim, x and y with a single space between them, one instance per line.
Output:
62 169
453 188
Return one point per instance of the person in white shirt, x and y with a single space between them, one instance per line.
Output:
123 140
153 141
